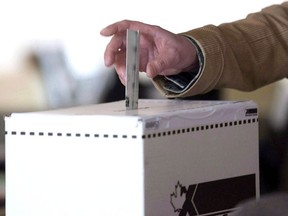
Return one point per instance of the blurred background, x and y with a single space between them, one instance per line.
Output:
51 56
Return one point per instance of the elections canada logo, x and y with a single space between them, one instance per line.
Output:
213 198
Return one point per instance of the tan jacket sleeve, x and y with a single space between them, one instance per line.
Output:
244 55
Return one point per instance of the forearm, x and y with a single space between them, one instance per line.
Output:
243 55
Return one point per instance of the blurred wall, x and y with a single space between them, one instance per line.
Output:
73 26
51 52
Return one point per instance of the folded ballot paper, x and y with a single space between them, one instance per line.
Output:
166 158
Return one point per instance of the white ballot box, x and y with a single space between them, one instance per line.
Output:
167 158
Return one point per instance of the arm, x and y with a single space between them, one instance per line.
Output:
244 55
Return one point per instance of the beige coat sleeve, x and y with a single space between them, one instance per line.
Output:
244 55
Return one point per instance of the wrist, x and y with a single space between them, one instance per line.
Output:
197 59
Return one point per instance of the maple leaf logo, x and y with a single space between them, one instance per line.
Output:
177 198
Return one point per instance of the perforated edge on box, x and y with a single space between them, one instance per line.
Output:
126 136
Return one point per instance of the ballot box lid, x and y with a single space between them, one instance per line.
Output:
151 113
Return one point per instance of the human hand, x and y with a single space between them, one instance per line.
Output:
161 52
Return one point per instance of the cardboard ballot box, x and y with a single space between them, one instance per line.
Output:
167 158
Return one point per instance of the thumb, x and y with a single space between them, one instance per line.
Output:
156 67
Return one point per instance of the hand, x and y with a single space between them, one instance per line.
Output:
161 52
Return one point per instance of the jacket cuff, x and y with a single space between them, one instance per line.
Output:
179 83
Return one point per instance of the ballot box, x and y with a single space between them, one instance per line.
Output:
166 158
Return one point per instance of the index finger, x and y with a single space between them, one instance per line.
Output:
123 25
